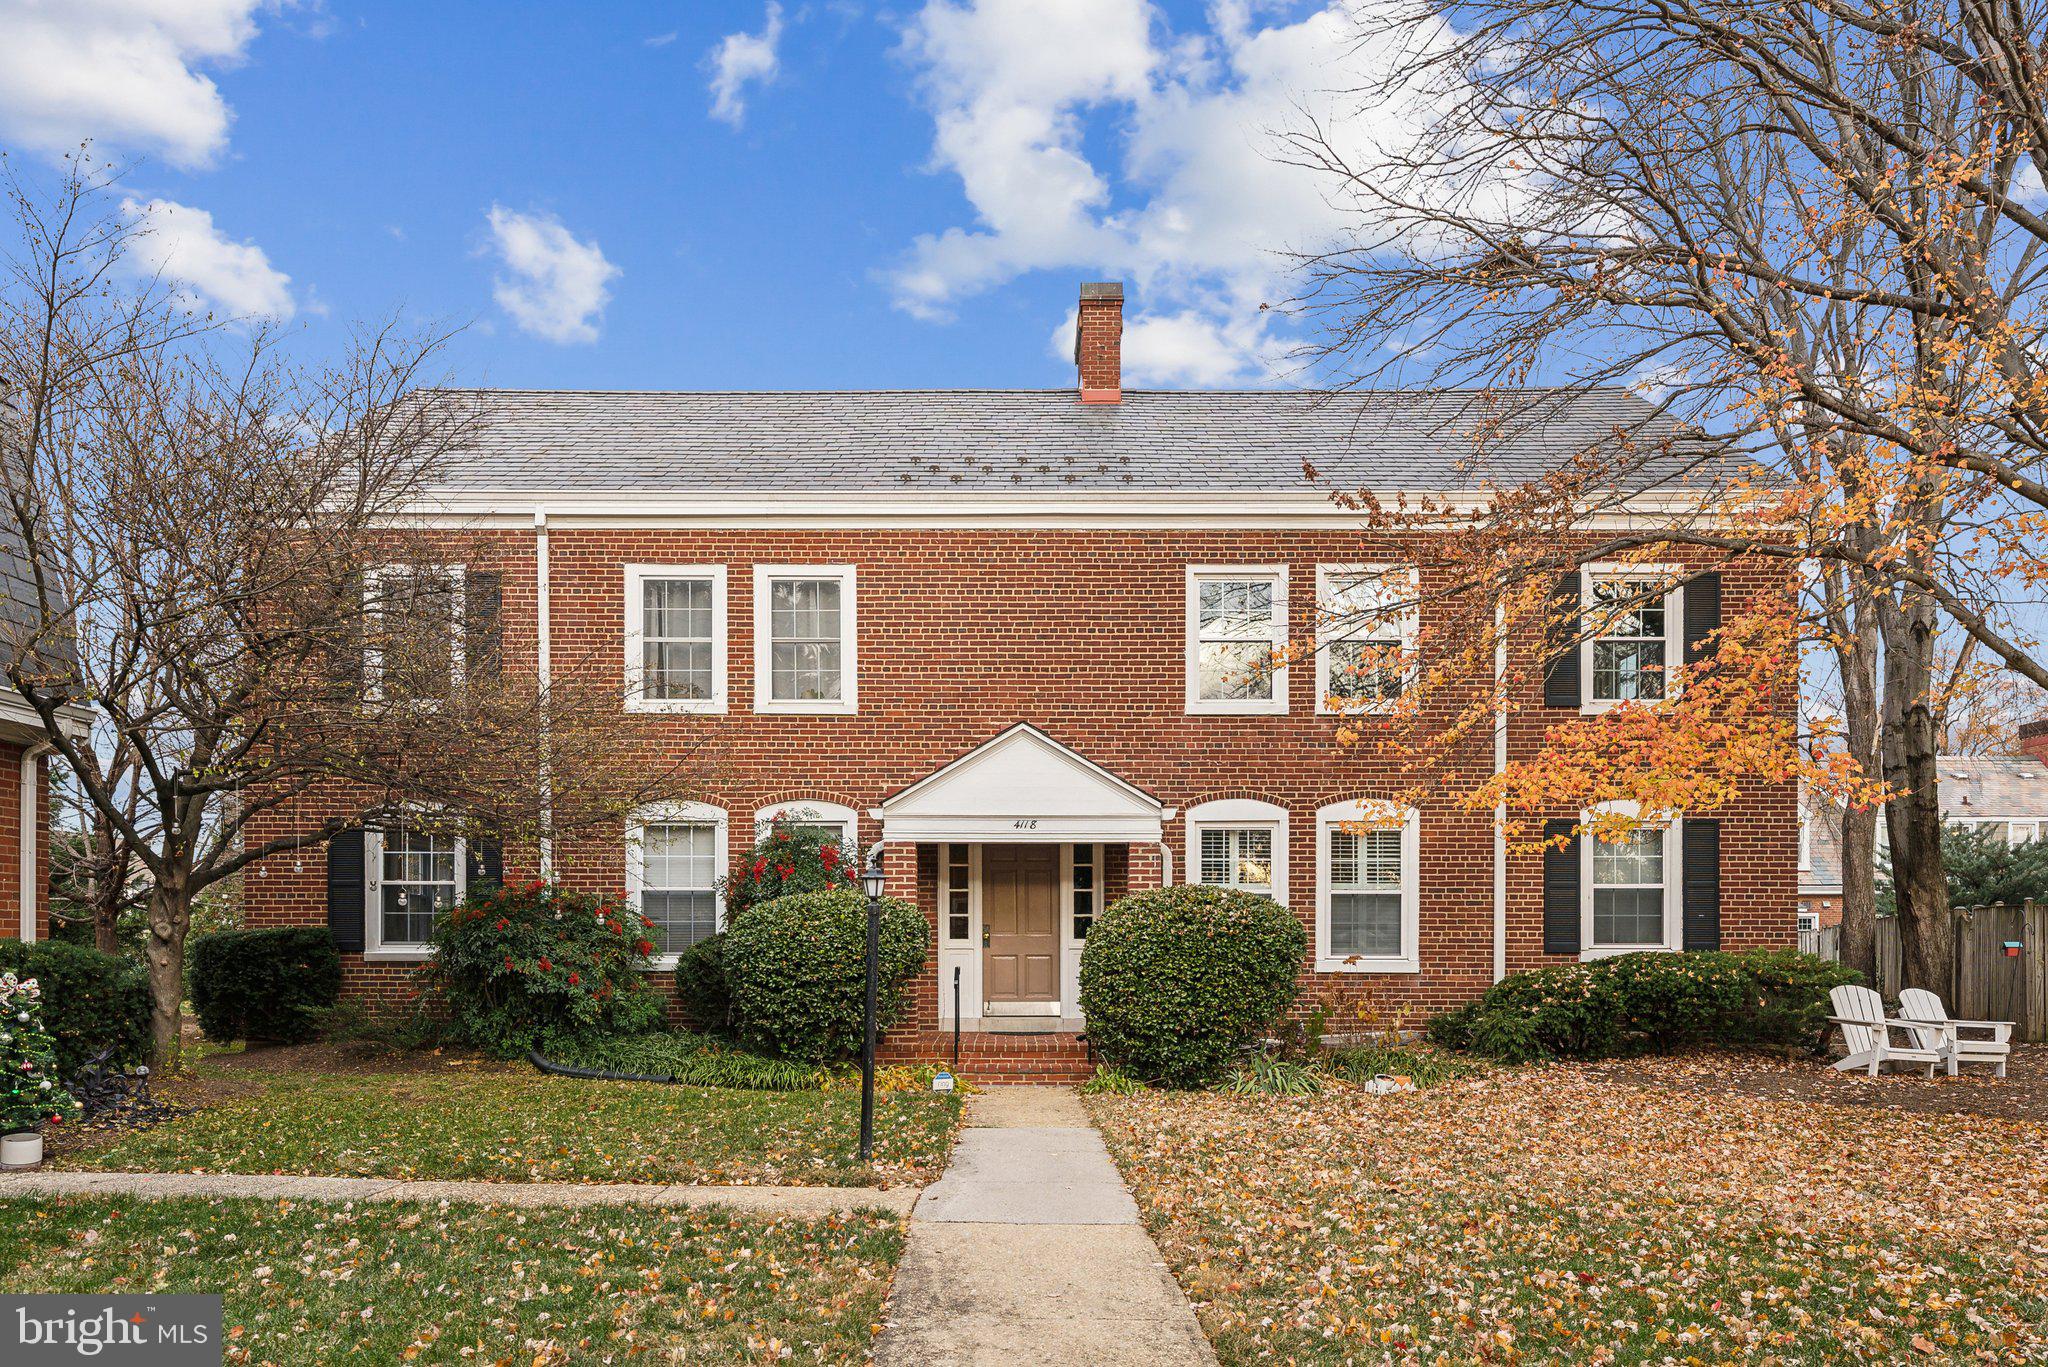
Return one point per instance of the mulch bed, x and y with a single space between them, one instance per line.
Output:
2021 1095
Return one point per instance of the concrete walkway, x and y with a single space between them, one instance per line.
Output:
1029 1250
158 1185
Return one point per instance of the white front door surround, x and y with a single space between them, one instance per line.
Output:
1020 788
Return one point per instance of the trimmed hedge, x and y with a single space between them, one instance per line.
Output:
538 967
701 987
1175 982
796 967
263 985
91 1000
1648 1003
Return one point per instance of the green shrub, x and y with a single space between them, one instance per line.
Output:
1175 982
537 966
692 1059
91 1001
701 985
1425 1068
788 859
265 985
1108 1081
1647 1003
796 967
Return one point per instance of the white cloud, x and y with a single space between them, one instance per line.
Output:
181 246
741 58
1088 137
554 285
126 73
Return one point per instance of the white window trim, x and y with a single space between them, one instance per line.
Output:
973 890
813 814
1197 705
1674 881
1674 628
373 657
676 813
1809 916
1069 941
1327 634
849 664
374 948
636 631
1233 814
1329 818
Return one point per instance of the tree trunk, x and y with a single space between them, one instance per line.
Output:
1911 747
170 916
1859 890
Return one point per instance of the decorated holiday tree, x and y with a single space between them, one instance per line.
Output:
30 1094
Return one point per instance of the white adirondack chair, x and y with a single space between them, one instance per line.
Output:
1870 1037
1921 1007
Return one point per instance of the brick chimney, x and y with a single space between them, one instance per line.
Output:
2034 739
1099 341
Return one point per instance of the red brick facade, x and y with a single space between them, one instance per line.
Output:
12 757
963 632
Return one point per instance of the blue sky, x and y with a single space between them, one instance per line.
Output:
816 193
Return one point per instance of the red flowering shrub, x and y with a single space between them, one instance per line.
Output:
788 859
527 966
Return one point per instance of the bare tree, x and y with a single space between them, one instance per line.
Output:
1812 232
228 568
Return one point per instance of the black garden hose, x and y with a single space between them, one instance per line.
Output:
600 1074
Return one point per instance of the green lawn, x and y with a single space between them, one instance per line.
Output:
309 1282
1546 1215
515 1125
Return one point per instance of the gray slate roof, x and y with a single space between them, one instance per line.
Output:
1978 786
989 440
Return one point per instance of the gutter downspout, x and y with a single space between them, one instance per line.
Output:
1500 811
31 825
545 664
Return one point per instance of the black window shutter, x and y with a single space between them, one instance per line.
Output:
483 632
485 860
1702 615
1560 890
1561 669
1700 881
346 891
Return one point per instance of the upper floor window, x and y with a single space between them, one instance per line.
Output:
413 639
1628 647
1368 895
1367 618
675 638
675 856
415 877
804 643
1236 622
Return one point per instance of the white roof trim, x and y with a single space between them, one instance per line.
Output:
1022 787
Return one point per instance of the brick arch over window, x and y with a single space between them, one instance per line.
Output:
863 833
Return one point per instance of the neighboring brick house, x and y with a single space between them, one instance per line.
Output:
998 632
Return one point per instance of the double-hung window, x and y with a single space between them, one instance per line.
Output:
835 820
1236 624
413 633
1239 843
1630 888
804 642
1368 894
675 638
415 877
675 857
1629 642
1365 639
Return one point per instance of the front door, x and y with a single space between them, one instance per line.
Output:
1020 928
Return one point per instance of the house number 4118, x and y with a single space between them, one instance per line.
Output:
1028 824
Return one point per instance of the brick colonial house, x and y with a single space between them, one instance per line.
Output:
994 631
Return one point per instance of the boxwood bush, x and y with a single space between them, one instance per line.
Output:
796 970
1648 1003
538 966
1176 981
91 1000
263 985
701 987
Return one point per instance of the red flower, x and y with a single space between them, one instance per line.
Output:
760 866
786 870
614 927
646 923
643 946
830 854
504 924
546 967
573 980
508 961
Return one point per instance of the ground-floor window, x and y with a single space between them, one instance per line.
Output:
675 857
1368 894
417 876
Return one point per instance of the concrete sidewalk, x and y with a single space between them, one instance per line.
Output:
160 1185
1029 1250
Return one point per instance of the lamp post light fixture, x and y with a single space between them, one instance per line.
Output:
871 880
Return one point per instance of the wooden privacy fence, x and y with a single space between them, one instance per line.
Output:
2001 964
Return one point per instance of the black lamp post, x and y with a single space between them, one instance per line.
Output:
871 879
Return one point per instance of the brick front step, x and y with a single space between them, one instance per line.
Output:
997 1058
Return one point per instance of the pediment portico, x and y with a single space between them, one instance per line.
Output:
1022 787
